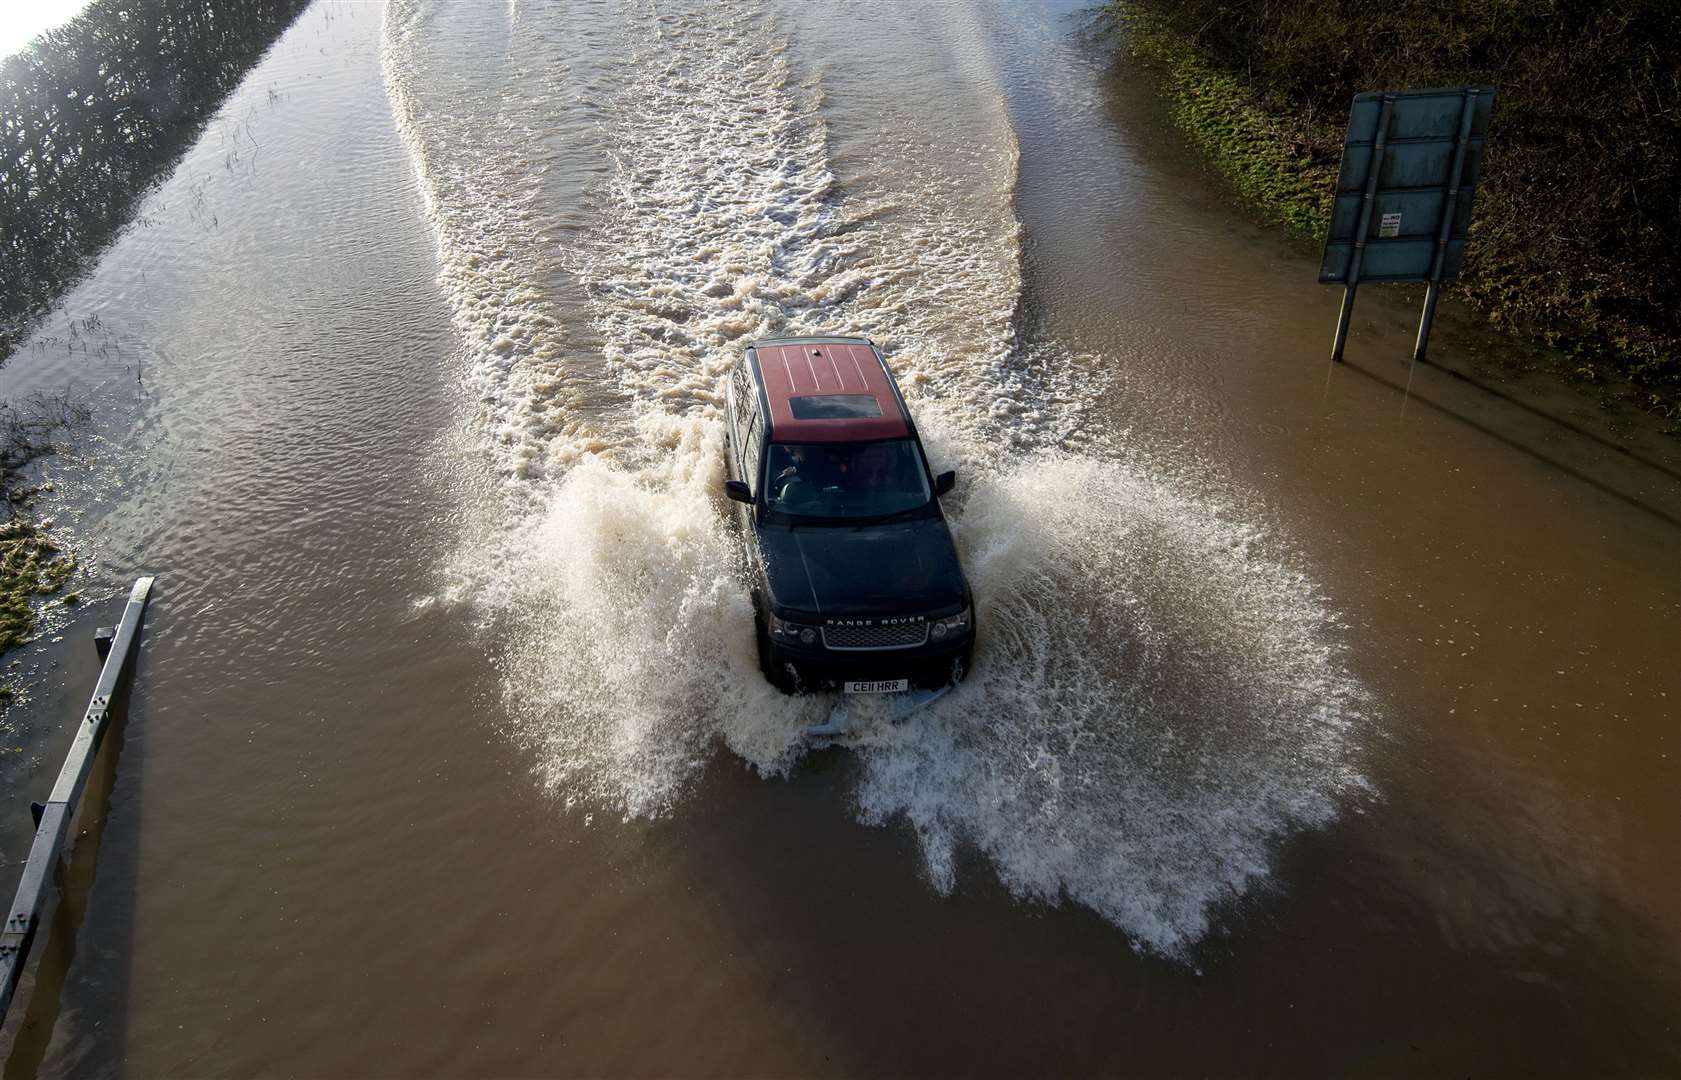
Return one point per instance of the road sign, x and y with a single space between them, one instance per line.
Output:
1410 167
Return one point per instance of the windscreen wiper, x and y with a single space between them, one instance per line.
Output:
895 515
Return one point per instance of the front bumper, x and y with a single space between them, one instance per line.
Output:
929 667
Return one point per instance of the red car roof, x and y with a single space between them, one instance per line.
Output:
823 369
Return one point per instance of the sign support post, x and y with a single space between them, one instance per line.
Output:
1450 207
1353 280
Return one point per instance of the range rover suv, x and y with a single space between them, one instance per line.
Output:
856 582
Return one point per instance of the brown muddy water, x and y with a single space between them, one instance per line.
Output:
1324 718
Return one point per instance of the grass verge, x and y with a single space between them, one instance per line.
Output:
1268 158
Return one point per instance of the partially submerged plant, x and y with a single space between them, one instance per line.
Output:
31 564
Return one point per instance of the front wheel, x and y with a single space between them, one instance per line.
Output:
964 663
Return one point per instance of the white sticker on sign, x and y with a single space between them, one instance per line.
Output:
1390 225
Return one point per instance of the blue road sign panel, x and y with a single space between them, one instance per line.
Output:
1411 138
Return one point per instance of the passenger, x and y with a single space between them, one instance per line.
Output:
830 470
870 468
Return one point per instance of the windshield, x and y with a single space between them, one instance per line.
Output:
845 481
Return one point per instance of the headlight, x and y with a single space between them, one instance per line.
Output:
792 633
950 626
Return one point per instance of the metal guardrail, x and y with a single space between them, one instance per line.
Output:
53 819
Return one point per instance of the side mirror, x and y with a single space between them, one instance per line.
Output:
737 491
944 482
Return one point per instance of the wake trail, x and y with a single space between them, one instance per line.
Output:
1159 697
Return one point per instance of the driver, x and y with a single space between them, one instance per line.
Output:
796 455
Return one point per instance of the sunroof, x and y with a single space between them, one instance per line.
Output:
833 406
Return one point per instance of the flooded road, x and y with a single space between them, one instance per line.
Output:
1323 720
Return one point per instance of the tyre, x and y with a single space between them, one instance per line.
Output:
965 662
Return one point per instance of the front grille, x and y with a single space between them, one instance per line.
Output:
900 636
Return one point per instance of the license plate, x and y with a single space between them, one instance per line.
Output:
880 686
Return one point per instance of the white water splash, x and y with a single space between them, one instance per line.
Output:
627 658
1155 703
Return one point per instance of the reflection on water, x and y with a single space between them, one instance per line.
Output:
93 114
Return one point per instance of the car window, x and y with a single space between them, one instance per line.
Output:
846 480
751 453
741 393
834 407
